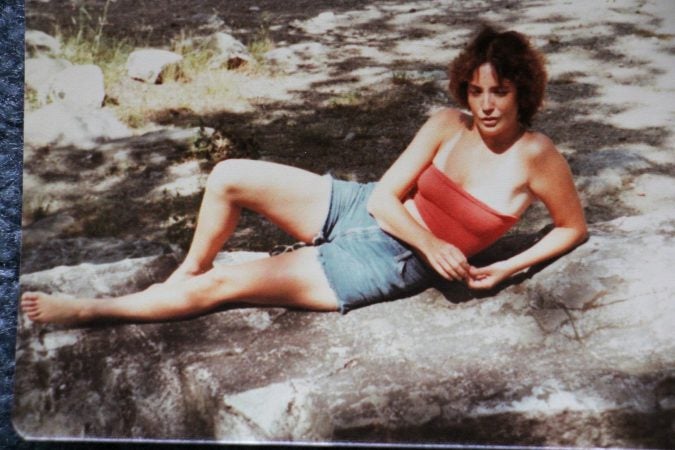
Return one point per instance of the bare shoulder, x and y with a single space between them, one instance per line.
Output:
447 121
539 148
447 114
547 168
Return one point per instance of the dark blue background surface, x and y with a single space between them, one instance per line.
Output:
11 136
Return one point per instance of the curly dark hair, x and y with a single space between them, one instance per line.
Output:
513 58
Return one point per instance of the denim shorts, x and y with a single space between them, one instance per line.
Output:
363 263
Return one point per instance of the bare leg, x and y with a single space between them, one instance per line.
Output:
292 279
294 199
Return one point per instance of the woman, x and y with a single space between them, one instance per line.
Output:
461 184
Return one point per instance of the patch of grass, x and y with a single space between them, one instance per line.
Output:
192 84
30 99
109 54
134 118
261 44
350 98
90 45
196 58
204 93
399 78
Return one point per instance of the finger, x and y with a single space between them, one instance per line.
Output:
483 283
446 270
443 273
453 269
438 268
480 271
457 266
459 255
464 263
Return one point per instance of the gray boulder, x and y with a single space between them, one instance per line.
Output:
39 74
580 352
40 42
229 52
148 64
54 252
62 125
79 86
103 279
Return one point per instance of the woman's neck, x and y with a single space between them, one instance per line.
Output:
503 141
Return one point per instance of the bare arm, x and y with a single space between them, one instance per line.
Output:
386 205
551 182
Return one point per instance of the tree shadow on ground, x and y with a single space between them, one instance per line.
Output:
354 136
357 140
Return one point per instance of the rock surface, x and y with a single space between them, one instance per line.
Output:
229 52
147 64
39 42
323 23
579 353
50 253
39 73
62 125
291 57
79 86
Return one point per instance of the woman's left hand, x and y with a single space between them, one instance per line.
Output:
488 277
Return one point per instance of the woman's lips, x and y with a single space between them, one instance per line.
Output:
489 121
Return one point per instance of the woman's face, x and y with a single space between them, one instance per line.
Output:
494 105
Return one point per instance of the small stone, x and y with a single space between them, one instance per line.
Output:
350 136
147 65
40 42
230 52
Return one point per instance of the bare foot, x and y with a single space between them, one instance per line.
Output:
45 308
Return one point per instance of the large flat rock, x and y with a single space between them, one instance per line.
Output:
580 353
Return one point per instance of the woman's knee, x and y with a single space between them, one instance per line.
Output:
205 291
229 176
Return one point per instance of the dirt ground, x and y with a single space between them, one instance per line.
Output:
354 113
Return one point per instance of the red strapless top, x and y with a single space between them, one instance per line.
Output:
455 216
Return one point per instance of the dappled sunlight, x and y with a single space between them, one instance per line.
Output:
561 354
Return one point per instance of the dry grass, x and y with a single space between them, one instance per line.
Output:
351 98
261 44
212 90
192 85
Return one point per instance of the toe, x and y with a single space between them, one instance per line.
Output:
30 296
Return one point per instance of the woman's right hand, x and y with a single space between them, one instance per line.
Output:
445 258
